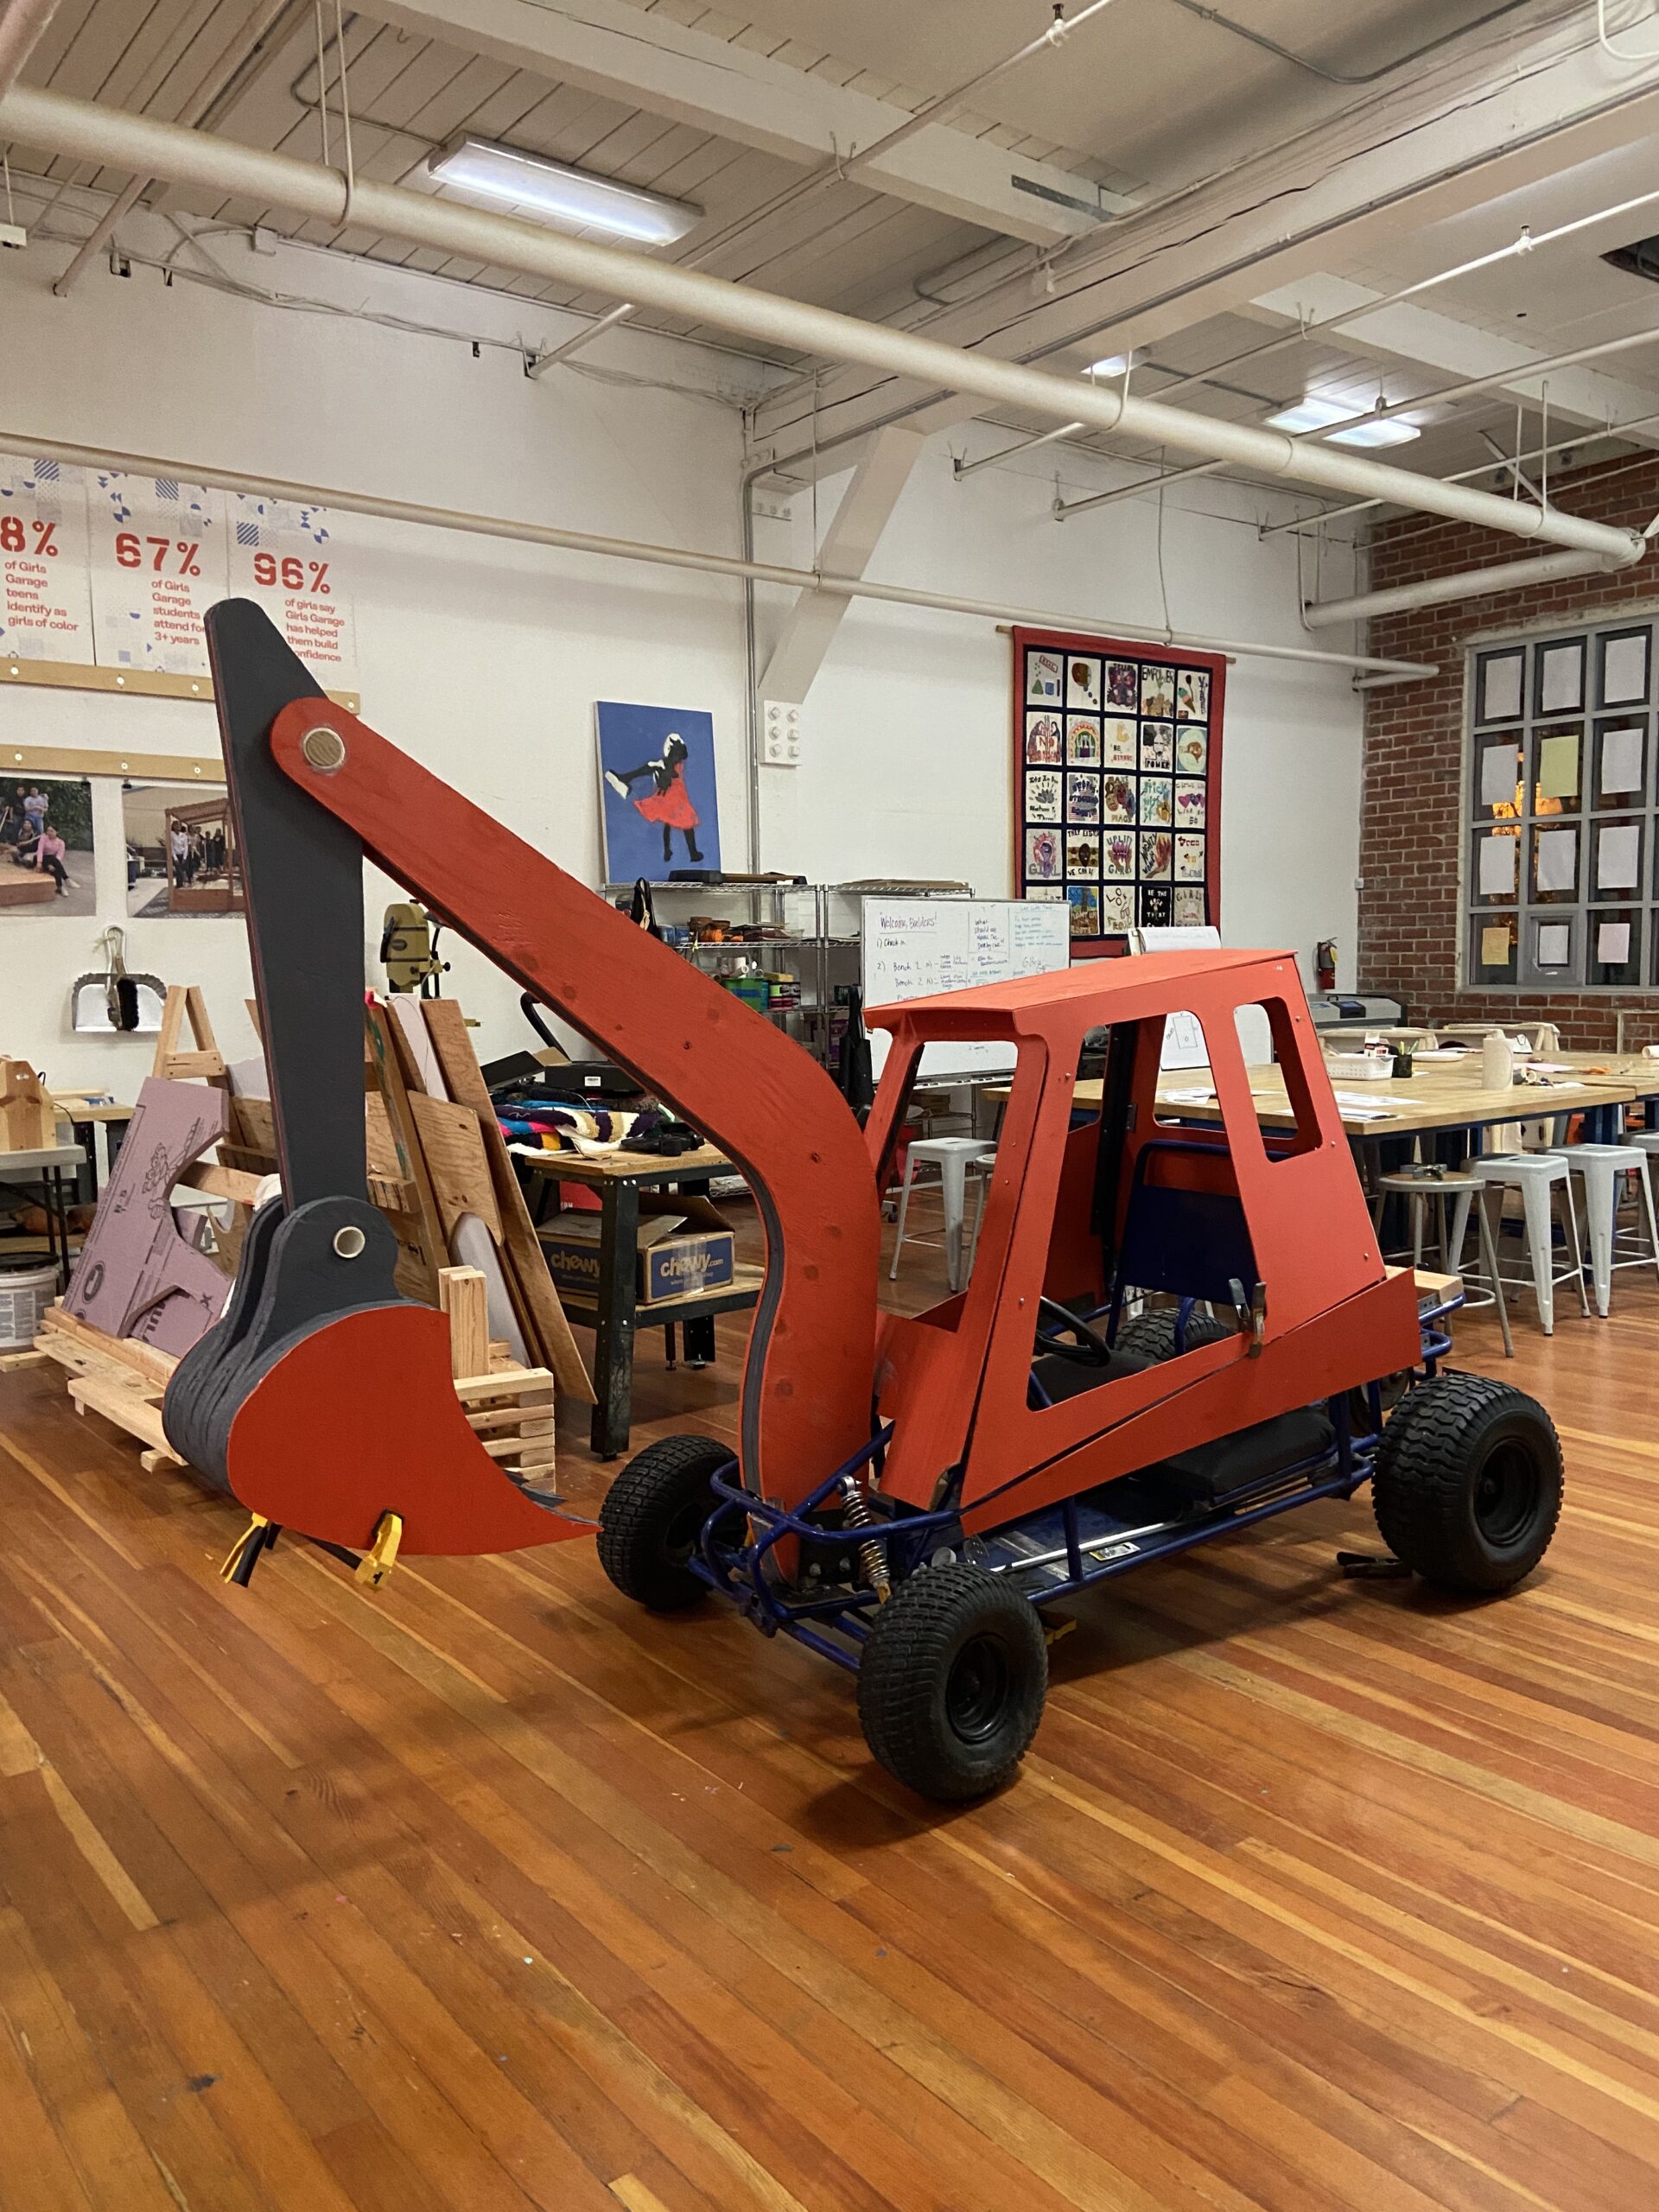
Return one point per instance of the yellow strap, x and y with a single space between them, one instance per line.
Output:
381 1557
251 1534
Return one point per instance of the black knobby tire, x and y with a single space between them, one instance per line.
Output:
951 1681
1467 1483
1152 1336
651 1516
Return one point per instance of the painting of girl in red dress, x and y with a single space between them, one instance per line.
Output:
658 770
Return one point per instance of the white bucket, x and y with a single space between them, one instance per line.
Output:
25 1294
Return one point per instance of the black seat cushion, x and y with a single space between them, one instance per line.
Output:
1069 1378
1210 1472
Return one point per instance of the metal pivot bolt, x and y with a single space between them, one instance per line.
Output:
349 1242
324 749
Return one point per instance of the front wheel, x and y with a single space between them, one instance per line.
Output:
951 1681
652 1515
1467 1483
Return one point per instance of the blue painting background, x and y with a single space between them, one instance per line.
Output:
628 737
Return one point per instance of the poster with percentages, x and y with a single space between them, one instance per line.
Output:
158 565
46 608
283 555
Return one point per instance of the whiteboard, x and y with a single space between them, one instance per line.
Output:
911 948
1184 1045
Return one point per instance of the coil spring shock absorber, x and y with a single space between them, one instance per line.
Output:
872 1559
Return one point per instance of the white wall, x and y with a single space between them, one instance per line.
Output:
907 764
483 660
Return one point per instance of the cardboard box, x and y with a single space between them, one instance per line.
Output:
685 1247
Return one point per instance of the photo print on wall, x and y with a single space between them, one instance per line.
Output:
47 865
1123 820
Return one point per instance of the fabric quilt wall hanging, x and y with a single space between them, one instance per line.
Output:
1117 780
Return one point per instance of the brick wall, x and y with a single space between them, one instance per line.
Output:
1411 805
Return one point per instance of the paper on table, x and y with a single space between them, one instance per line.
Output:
1555 944
1617 857
1621 759
1500 688
1495 946
1497 865
1624 671
1557 766
1558 859
1500 769
1361 1109
1613 943
1561 686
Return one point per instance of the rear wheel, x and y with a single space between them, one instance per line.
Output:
1152 1336
1467 1484
951 1681
652 1517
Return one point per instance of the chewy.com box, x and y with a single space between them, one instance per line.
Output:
685 1247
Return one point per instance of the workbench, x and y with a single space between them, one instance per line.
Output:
615 1314
1433 1099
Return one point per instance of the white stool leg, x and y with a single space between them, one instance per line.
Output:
1577 1245
1451 1250
1646 1180
1599 1201
983 1179
1488 1261
1540 1245
904 1208
1418 1204
953 1177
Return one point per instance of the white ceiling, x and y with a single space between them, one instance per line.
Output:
1152 98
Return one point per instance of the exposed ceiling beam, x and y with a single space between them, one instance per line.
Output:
650 61
810 625
81 130
1445 141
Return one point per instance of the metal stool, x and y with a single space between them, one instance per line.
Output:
1541 1178
1418 1186
1601 1166
953 1157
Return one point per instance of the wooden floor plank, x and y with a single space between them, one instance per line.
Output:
492 1893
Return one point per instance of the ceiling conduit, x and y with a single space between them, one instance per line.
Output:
1471 583
80 130
674 556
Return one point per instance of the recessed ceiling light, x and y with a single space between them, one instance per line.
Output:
1113 366
1389 432
555 193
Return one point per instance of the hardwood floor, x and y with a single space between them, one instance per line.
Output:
492 1893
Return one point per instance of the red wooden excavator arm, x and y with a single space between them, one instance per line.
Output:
349 793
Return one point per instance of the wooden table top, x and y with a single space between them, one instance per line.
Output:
1448 1098
621 1166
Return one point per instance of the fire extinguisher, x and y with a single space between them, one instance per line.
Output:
1325 963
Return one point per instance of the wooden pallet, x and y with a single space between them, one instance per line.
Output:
509 1408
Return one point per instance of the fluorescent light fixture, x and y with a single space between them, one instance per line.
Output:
1113 366
532 185
1389 432
1316 412
1313 414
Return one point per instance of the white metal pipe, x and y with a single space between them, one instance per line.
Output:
665 557
273 15
555 354
1473 583
1573 442
20 27
84 130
